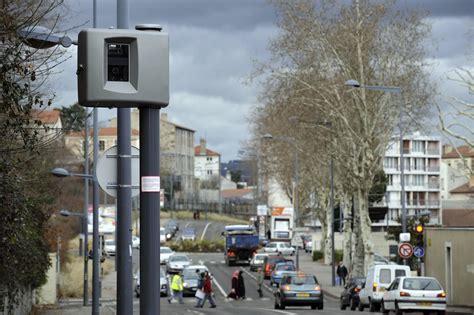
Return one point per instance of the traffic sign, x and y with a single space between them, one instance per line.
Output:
107 171
405 250
419 251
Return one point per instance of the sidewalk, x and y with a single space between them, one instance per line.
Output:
324 276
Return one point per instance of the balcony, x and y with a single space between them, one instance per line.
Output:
434 203
433 168
433 185
433 151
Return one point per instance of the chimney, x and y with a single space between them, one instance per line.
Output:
447 148
164 116
202 147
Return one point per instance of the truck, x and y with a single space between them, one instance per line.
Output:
281 224
241 243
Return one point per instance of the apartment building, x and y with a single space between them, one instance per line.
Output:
206 162
422 161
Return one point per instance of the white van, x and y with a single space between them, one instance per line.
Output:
378 280
162 235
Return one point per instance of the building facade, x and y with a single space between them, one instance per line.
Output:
422 159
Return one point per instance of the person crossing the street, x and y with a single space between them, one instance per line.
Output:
176 288
207 288
260 281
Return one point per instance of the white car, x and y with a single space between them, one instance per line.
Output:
165 253
279 247
177 263
109 247
309 247
420 294
135 242
162 235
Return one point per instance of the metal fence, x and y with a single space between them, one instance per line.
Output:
236 208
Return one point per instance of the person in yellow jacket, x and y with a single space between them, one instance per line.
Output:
176 288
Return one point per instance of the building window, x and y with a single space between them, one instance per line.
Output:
418 180
390 180
419 164
390 163
209 172
101 145
418 146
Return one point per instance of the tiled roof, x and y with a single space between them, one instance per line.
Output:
103 132
464 150
463 189
197 151
47 116
458 217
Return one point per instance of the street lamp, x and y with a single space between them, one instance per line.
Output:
40 37
392 89
67 213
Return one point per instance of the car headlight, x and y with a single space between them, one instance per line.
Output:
168 235
185 284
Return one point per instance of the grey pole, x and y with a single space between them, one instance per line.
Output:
402 171
295 205
149 212
95 224
85 230
124 195
333 254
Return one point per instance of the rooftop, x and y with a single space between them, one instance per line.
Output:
48 117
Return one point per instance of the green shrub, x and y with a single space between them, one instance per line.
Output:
317 255
339 254
202 246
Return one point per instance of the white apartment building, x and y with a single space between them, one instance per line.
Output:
422 158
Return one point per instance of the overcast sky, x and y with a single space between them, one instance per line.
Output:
213 45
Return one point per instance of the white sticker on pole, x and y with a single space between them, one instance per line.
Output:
150 184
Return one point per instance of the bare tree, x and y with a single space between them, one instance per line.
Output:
322 44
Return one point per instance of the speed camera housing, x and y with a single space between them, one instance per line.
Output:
123 68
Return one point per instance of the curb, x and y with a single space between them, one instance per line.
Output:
330 295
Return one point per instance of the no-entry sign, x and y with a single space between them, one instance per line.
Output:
405 250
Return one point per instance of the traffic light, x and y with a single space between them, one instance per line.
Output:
419 229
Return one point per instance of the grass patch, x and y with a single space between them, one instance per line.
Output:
200 246
72 275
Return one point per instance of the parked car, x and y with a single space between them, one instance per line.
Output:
177 262
419 294
257 261
378 279
350 295
165 253
309 247
188 233
269 263
279 247
168 232
135 242
279 271
162 235
298 289
190 279
109 247
163 283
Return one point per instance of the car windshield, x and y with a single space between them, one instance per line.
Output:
300 280
284 245
188 232
190 275
162 231
165 250
420 284
179 258
274 260
285 267
259 257
110 242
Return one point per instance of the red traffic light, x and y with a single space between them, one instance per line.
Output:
419 228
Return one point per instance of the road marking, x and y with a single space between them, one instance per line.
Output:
222 261
219 287
254 278
205 229
212 262
276 311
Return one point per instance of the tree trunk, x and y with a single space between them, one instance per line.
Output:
365 229
328 241
358 247
347 230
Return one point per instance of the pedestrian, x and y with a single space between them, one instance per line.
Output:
241 290
269 235
176 288
260 281
342 273
207 288
234 286
200 285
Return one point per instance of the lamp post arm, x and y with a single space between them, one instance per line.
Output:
390 89
89 176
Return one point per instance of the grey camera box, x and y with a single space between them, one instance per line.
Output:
123 68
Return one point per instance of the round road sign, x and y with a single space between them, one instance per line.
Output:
405 250
419 251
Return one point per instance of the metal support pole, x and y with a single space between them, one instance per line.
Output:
402 175
95 235
124 195
333 252
85 229
150 211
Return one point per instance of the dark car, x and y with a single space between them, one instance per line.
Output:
269 264
299 289
190 282
172 226
305 240
350 295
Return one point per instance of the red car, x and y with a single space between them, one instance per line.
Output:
269 264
